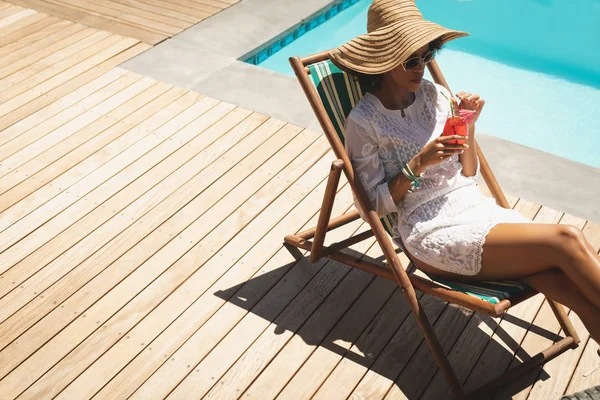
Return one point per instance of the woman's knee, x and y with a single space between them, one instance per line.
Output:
570 241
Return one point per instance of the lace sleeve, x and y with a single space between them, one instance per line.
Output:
362 147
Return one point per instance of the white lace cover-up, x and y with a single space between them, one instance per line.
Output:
444 223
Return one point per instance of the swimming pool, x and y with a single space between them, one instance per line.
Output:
534 61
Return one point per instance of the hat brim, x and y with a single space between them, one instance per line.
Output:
379 51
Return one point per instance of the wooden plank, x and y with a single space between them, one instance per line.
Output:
56 8
64 76
261 333
77 131
568 219
126 206
97 8
21 68
75 166
82 78
422 366
329 321
24 28
375 382
587 373
47 133
29 52
125 241
32 77
196 13
204 302
591 230
212 3
309 357
534 342
191 319
19 20
78 164
160 8
527 208
94 136
349 370
261 279
56 350
151 16
8 12
191 5
43 122
184 297
45 302
104 183
561 368
226 2
155 154
120 220
43 29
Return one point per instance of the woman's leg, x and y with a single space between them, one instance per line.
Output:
555 285
513 251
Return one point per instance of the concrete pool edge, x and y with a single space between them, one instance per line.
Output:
207 62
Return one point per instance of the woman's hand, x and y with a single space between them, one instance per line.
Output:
471 102
436 152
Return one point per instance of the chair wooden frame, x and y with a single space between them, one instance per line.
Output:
313 239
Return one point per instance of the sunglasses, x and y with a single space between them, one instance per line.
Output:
414 62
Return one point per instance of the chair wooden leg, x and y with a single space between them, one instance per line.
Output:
439 354
325 213
564 321
514 373
571 340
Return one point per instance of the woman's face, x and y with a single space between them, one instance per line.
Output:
409 80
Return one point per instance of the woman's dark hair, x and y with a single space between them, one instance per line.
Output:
369 82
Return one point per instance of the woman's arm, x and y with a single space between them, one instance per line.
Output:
362 146
433 153
400 185
468 159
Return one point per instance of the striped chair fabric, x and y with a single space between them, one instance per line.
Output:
340 92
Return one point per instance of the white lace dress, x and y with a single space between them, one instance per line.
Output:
443 223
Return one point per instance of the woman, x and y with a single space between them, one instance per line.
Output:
446 224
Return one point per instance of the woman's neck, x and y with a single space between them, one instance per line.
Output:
392 96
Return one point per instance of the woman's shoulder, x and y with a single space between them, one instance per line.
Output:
364 112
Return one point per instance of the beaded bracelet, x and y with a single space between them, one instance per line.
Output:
410 175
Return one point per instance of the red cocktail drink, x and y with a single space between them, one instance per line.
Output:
455 126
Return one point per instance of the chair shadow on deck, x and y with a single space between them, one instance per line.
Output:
259 285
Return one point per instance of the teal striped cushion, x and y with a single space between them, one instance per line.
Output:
340 92
492 292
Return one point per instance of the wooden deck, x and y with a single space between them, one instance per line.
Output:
150 21
141 253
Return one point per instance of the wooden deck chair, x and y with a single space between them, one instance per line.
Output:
332 94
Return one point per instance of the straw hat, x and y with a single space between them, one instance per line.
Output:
396 29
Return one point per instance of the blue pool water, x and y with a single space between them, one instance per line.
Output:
536 62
